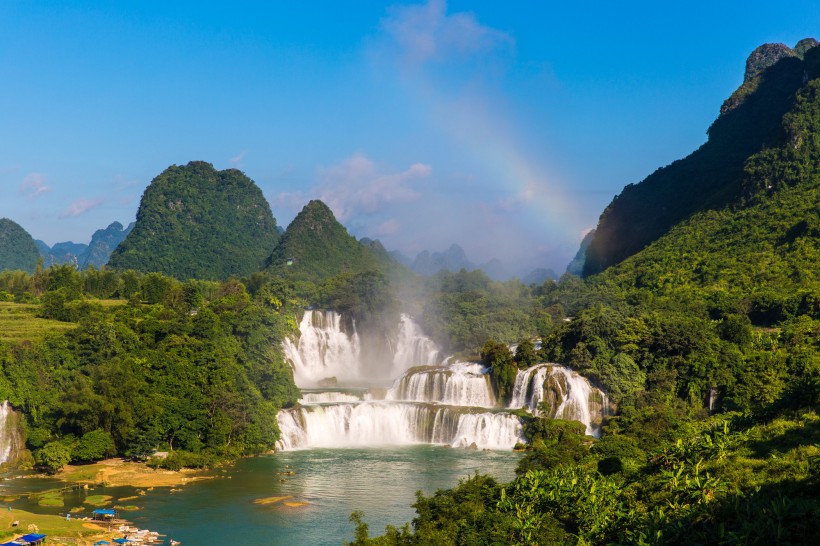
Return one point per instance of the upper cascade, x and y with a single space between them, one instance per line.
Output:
329 352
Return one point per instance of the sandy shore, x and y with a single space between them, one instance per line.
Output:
116 472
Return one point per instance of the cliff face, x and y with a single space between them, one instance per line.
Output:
711 178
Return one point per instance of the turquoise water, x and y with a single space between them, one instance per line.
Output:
334 482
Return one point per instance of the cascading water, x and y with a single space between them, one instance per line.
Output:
430 401
413 348
563 392
10 441
459 384
324 351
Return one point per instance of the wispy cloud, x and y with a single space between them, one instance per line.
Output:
80 207
426 32
34 185
388 227
358 187
236 161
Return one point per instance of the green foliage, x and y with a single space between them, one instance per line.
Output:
17 248
711 178
462 310
195 222
93 446
315 246
53 456
199 369
503 370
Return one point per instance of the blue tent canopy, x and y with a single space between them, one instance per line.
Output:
120 540
101 543
104 512
33 537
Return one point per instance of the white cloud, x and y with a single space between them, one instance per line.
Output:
389 227
356 187
34 185
80 207
426 32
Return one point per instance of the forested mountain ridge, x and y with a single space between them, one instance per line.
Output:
316 246
712 177
761 259
196 222
17 248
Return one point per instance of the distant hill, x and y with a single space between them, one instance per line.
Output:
316 246
576 266
82 255
17 248
453 259
61 253
103 243
712 177
539 276
196 222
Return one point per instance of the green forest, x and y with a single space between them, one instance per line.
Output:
701 322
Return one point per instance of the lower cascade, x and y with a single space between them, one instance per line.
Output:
428 402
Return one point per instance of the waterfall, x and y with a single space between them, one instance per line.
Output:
413 347
330 397
324 351
396 423
429 401
565 393
10 441
459 384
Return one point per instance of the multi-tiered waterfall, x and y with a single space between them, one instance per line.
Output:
415 398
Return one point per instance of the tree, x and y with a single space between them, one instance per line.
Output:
53 456
93 446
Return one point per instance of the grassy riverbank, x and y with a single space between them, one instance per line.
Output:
59 530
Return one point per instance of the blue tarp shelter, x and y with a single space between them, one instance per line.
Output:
33 538
120 540
102 543
104 514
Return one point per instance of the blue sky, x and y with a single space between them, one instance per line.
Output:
505 127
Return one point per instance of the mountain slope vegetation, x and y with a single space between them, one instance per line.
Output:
17 248
712 177
195 222
316 246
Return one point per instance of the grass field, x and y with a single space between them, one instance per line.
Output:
18 321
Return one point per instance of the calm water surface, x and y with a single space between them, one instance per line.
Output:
334 482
